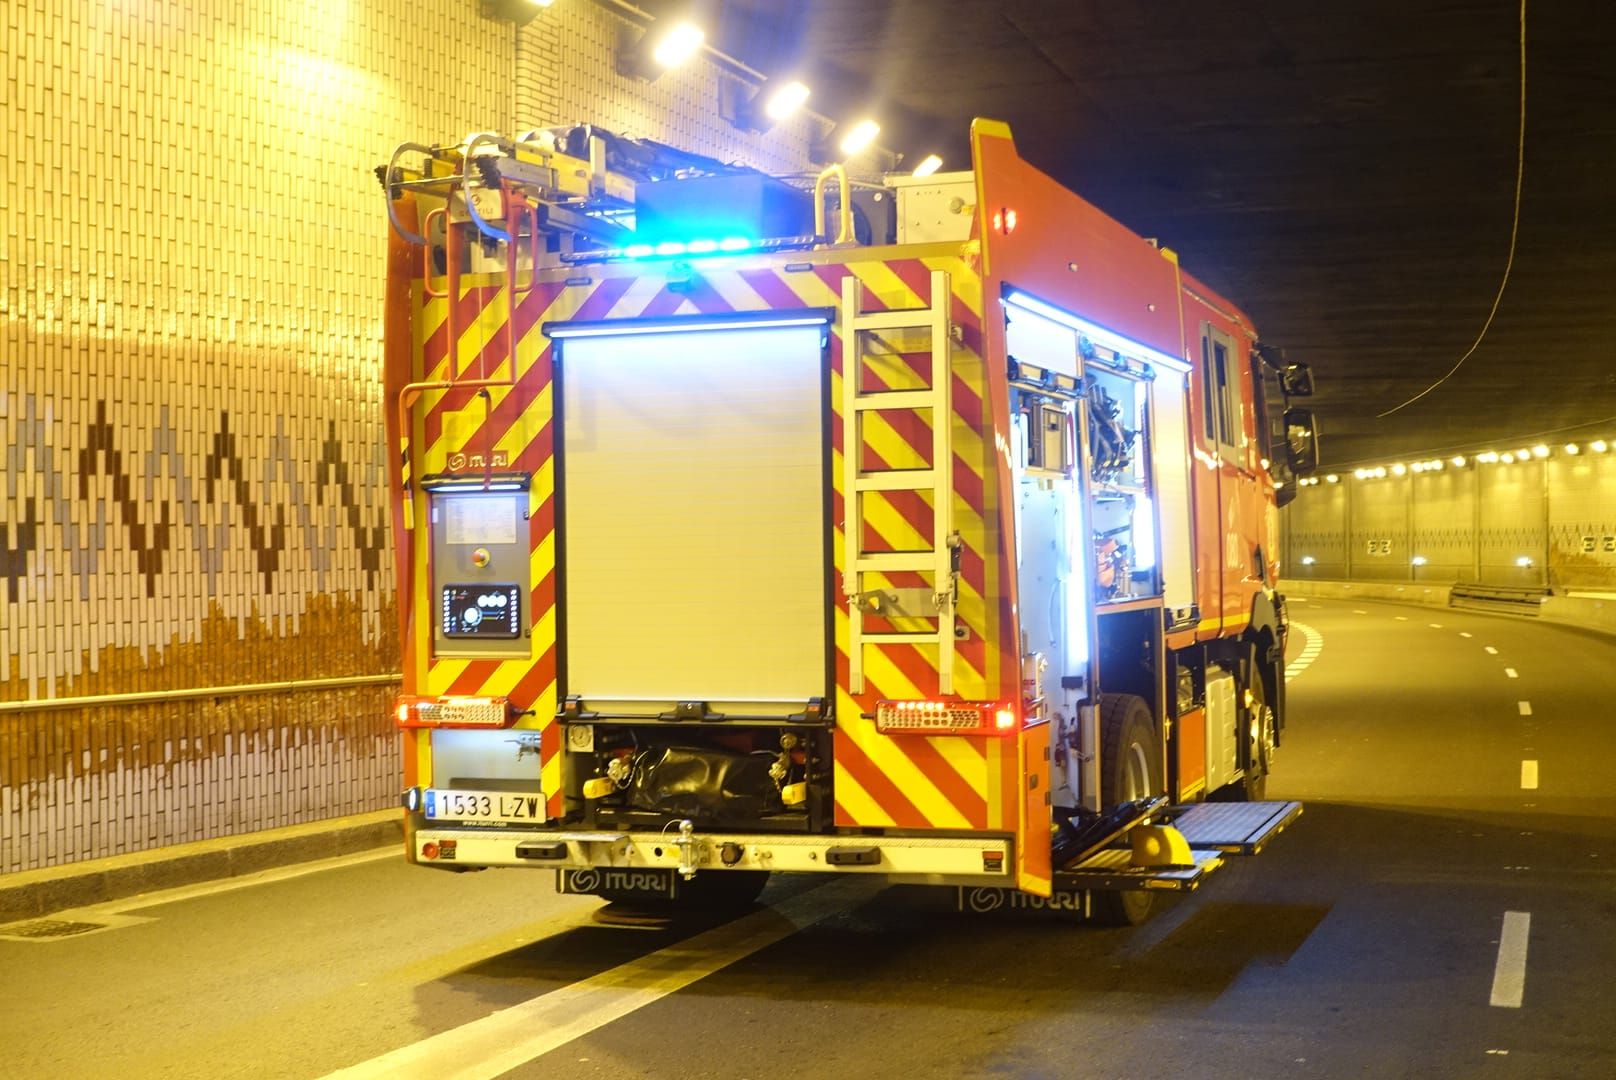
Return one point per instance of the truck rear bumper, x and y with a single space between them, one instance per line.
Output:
982 859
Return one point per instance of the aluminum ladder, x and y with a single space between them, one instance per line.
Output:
941 561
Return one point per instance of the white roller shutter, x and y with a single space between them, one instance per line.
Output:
693 506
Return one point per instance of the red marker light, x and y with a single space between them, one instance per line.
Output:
1004 719
1009 222
429 850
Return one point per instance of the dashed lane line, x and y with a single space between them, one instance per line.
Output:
1490 650
1525 707
1509 973
1310 651
1464 633
1511 673
1529 775
1436 626
1401 618
512 1037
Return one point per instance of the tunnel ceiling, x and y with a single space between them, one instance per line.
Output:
1345 172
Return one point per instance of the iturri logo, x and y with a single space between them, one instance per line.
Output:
585 881
983 900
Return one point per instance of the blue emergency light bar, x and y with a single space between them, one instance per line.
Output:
700 247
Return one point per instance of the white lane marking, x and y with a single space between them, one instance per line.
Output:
1310 651
245 881
511 1037
1511 673
1509 974
1359 611
1464 633
1401 618
1490 650
1525 707
1436 626
1529 775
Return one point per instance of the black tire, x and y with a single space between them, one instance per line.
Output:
1130 768
1130 751
1260 726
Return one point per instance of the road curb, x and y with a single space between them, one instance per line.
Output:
32 893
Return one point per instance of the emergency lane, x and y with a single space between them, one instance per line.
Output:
1425 916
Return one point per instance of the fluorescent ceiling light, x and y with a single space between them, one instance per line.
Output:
928 165
785 100
678 44
859 137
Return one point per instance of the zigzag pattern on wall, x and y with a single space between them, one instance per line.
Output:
89 528
130 530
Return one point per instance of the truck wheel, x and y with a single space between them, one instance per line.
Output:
1130 751
1131 768
1261 728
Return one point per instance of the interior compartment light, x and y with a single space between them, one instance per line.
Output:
1098 334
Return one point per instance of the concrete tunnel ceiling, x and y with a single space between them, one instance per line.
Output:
1345 172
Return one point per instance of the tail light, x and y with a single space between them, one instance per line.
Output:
944 718
453 712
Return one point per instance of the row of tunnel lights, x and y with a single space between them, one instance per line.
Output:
669 44
1457 461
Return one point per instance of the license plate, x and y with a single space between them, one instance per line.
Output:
483 806
659 884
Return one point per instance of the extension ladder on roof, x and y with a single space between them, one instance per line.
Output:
940 560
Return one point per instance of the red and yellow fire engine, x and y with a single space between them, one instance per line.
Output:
921 527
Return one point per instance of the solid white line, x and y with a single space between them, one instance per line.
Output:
1509 974
1525 707
1528 775
1509 671
512 1037
1492 651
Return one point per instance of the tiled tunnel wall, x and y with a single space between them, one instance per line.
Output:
1540 522
192 251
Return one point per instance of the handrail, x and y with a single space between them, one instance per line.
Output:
844 232
387 188
91 701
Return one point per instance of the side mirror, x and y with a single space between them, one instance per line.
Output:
1301 441
1296 380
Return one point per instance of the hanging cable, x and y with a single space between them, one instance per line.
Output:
1514 230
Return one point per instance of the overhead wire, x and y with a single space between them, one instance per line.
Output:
1514 232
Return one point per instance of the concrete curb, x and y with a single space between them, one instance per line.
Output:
33 893
1594 612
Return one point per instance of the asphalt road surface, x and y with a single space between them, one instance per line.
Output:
1446 907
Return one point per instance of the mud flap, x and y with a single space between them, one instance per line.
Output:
1033 873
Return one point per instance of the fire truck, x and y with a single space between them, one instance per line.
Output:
921 527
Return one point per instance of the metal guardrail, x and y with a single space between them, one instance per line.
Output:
1522 599
146 697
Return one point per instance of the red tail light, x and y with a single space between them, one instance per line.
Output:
944 718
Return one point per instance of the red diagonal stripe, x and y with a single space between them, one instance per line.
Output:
965 798
904 814
471 680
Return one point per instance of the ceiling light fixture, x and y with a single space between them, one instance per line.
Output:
928 165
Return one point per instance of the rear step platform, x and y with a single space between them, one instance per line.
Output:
1233 828
1213 830
1113 869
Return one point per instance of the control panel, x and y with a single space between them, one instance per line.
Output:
480 577
482 611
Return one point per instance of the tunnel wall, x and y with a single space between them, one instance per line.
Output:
1471 524
192 251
